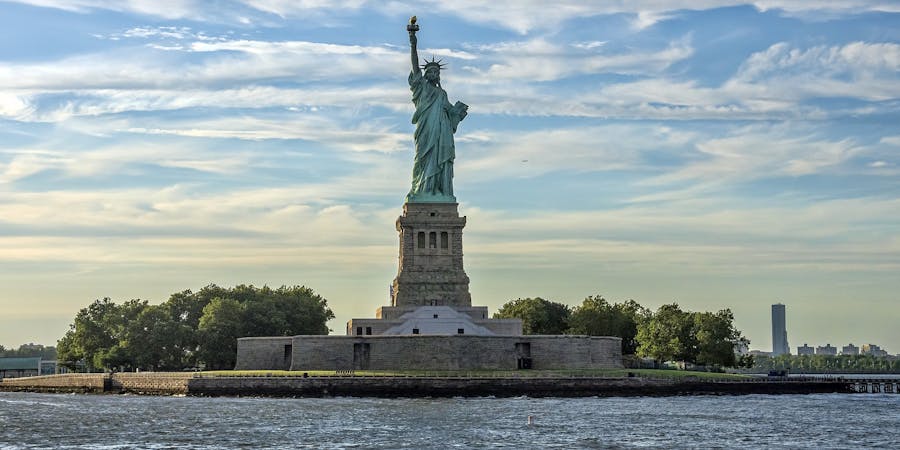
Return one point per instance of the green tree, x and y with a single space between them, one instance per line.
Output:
69 352
154 340
717 338
117 323
190 329
185 308
746 361
91 336
249 311
667 335
538 316
705 338
597 317
220 326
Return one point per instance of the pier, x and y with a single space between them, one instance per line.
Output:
875 386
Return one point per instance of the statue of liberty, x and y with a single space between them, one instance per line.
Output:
436 120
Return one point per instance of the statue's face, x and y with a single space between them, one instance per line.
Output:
433 74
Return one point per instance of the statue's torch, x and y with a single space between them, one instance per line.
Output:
412 27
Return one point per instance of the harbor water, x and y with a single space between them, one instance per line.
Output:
31 420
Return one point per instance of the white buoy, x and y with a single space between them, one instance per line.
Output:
530 420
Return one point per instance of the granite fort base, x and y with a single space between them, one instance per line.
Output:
410 352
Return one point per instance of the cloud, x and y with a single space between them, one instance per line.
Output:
707 231
511 77
521 16
110 159
171 9
540 60
227 62
27 163
258 74
356 137
581 149
157 32
288 8
646 19
38 106
760 152
243 226
891 140
14 105
671 163
858 69
830 8
781 80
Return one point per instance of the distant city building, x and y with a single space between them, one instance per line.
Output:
760 353
779 331
806 350
850 349
827 349
872 349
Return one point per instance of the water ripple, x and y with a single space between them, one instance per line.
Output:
34 421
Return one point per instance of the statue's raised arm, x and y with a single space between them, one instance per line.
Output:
436 120
414 54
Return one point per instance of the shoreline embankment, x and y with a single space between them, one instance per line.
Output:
192 384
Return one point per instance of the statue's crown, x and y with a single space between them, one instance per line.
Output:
439 64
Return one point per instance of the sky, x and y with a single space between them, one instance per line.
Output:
717 154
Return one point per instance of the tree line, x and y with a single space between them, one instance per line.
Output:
190 329
29 351
668 334
200 329
827 364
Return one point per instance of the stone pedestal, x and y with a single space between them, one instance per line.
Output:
431 257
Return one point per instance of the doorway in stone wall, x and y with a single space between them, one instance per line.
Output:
523 355
288 353
361 356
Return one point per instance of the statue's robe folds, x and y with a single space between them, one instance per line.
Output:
436 120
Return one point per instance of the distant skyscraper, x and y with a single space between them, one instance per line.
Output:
779 332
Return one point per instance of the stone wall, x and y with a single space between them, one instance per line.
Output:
193 384
499 387
509 327
424 352
267 352
164 383
415 386
150 382
71 382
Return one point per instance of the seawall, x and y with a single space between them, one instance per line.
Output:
149 383
499 387
354 386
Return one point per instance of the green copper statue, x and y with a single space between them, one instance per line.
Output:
436 120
